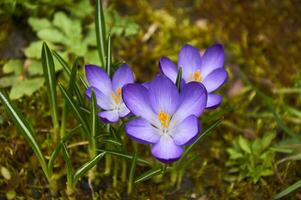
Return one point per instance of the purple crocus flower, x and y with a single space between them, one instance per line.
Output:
168 120
107 92
208 69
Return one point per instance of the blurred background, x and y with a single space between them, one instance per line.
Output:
256 151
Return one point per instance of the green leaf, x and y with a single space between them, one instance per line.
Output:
69 168
199 139
35 68
13 66
109 56
8 81
126 156
52 35
58 148
67 69
75 109
39 24
87 166
149 174
288 190
244 144
34 50
93 118
25 87
49 75
25 129
179 79
100 28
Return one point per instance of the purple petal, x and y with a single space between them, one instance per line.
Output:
190 61
193 99
99 79
166 150
109 116
215 79
212 59
122 76
192 140
168 68
213 101
142 131
103 101
185 131
124 111
146 84
135 97
163 95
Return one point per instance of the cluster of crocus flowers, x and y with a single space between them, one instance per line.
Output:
167 118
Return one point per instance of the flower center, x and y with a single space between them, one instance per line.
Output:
164 119
117 96
196 76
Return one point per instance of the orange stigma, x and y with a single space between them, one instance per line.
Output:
196 76
164 119
117 96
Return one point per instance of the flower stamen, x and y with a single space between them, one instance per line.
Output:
196 76
164 119
117 96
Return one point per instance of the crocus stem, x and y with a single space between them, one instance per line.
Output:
115 173
179 179
123 172
108 157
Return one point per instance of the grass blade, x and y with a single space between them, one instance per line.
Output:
75 109
100 28
87 166
288 190
25 129
126 156
49 75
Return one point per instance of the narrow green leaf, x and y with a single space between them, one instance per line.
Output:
67 68
58 148
100 28
69 168
268 101
126 156
72 78
93 118
179 79
49 75
151 173
109 56
75 109
288 190
87 166
199 139
25 129
132 173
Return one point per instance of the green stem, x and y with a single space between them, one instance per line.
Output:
115 173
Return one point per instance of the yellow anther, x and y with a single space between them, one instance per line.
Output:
117 96
196 76
164 119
